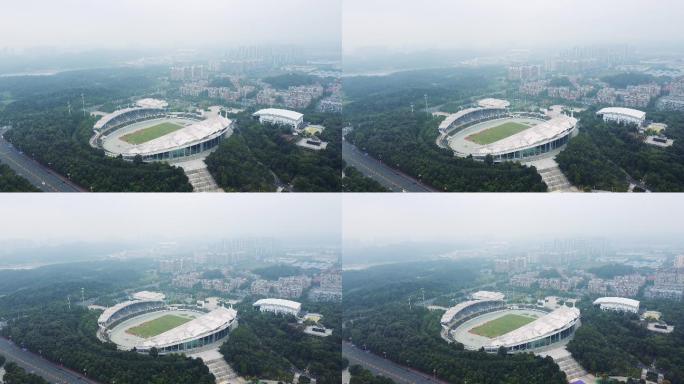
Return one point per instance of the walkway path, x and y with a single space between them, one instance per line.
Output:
199 176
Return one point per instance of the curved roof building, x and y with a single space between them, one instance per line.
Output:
618 304
464 309
544 331
542 137
623 115
487 295
127 308
196 333
280 117
493 103
279 306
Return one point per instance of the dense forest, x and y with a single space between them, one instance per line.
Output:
11 182
385 127
43 129
270 346
378 317
619 344
39 319
602 151
355 181
255 153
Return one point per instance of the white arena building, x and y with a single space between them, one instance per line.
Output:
547 328
542 137
621 304
487 295
494 103
196 134
280 117
201 328
623 115
279 306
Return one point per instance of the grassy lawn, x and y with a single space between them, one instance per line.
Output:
502 325
497 133
150 133
157 326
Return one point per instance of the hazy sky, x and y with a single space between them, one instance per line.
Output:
95 217
167 23
486 24
461 217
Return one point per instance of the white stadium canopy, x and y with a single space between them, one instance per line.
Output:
182 137
193 329
540 133
542 327
152 103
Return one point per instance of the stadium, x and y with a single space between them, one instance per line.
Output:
150 131
491 324
143 324
490 129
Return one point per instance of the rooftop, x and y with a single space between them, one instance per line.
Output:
543 326
284 113
147 295
537 134
634 113
182 137
487 295
152 103
104 316
295 306
617 300
193 329
493 103
451 312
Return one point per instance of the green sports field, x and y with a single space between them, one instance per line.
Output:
497 133
502 325
150 133
157 326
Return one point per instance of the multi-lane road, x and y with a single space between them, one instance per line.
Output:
387 176
40 176
37 365
380 366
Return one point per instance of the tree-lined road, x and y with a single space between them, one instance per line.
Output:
388 177
40 176
37 365
383 367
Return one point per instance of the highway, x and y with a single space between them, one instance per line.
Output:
35 364
37 174
390 178
379 366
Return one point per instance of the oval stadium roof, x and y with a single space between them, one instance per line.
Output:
193 329
634 113
453 311
104 316
455 116
541 327
181 137
530 137
487 295
285 113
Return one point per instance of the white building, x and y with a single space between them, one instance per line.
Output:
280 117
621 304
623 115
279 306
147 295
487 295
